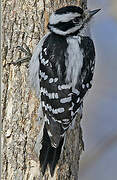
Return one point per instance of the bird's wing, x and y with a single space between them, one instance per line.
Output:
87 71
56 95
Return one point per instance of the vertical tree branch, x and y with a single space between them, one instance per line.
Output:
25 22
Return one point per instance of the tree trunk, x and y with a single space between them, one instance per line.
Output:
25 22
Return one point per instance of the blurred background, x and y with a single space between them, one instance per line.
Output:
99 161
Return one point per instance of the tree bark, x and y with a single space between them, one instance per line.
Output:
25 22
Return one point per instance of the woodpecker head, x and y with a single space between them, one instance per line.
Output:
69 20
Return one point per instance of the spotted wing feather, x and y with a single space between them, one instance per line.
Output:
55 93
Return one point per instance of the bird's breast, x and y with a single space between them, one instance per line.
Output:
73 59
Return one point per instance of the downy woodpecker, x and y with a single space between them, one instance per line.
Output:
61 71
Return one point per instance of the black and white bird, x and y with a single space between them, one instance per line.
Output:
61 71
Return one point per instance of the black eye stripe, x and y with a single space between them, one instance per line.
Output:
77 19
64 26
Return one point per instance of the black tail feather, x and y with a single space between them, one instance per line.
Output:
56 155
44 159
48 154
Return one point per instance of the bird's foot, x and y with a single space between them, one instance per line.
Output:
27 52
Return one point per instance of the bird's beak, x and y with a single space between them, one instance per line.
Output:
93 12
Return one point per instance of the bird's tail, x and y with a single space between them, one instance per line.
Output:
48 154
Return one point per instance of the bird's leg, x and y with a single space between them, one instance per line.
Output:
27 52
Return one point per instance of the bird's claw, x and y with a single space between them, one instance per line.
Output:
27 52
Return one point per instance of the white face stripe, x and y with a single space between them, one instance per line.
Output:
56 18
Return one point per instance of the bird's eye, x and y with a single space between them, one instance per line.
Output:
76 20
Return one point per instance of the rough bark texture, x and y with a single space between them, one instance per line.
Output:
25 21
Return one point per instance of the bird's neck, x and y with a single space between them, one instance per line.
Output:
85 31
